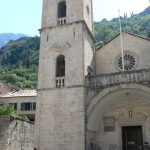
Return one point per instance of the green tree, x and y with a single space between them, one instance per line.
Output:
10 111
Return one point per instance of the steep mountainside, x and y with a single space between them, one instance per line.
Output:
23 52
19 62
145 12
137 24
6 37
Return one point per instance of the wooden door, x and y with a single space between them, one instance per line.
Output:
132 137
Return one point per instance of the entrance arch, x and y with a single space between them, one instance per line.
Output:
114 108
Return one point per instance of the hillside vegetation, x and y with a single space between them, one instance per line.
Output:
19 62
137 24
19 59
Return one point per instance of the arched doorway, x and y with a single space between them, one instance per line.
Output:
117 111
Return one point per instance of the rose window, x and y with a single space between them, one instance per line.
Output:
130 61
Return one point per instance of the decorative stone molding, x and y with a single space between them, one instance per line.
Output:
96 83
60 46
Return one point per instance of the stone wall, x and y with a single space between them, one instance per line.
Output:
4 126
16 134
20 135
60 120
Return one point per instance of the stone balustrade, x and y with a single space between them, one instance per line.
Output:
60 82
61 21
105 80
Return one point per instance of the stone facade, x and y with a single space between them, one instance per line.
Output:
61 123
60 119
116 100
77 10
106 63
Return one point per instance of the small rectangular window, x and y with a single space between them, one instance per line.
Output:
28 106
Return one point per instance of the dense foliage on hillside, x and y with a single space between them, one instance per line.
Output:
137 24
19 59
23 52
19 62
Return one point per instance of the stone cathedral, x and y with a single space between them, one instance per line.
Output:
85 98
88 98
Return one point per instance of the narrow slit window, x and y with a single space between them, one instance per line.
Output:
62 9
60 66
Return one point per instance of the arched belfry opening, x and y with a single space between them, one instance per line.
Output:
62 9
60 66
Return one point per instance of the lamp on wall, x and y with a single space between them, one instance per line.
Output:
130 113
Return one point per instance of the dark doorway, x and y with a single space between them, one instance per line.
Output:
132 137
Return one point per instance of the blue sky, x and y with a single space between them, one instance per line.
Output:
24 16
109 8
20 16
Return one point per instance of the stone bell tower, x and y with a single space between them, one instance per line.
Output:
66 56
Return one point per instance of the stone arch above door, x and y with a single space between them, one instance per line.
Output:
127 105
111 94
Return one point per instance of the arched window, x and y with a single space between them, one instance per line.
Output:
60 66
62 9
